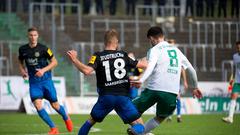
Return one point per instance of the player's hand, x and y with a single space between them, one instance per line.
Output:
231 82
197 93
136 84
72 54
24 74
40 72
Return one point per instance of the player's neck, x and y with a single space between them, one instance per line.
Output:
110 47
32 45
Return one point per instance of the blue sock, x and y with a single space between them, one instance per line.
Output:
138 128
45 117
85 128
178 107
62 112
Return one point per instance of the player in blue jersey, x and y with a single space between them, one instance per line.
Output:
39 61
111 67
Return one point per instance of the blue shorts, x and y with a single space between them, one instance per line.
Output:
121 104
42 90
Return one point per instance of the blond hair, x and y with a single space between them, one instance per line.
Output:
110 36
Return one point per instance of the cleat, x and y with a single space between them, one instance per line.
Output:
69 124
53 131
131 132
179 119
227 120
169 119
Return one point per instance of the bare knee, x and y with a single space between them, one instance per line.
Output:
234 96
55 105
38 104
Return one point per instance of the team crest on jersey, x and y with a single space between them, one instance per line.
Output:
49 52
37 54
92 60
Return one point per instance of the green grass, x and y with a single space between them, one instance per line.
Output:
210 124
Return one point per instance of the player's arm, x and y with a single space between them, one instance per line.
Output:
151 64
184 77
21 65
142 63
22 68
85 69
53 63
191 76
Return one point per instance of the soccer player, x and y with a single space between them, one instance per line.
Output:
163 72
111 67
39 61
236 85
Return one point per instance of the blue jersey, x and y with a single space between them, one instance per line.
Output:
36 58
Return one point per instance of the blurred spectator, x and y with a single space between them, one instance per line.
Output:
130 7
49 8
222 6
161 9
199 8
99 7
63 2
13 5
3 6
74 9
25 4
86 6
147 3
37 7
235 8
210 7
112 7
176 4
189 4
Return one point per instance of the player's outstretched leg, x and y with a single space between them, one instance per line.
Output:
229 119
85 128
45 117
66 118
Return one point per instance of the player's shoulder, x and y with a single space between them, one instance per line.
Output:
25 46
42 46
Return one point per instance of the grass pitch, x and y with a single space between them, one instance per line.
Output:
209 124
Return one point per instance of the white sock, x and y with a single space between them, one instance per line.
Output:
150 125
232 108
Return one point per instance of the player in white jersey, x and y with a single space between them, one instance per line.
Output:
236 85
163 72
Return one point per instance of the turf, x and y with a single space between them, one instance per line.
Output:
209 124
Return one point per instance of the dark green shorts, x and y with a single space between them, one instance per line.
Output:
166 102
236 88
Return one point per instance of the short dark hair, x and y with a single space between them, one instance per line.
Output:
32 29
237 43
155 31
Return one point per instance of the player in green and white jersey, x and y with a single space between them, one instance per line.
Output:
163 73
236 85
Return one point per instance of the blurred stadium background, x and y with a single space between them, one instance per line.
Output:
208 42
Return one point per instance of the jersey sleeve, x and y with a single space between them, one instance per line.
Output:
93 61
49 53
20 54
190 71
132 62
152 61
